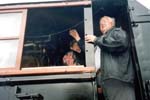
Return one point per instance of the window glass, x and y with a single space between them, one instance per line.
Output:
10 24
8 53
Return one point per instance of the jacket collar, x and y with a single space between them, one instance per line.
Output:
109 31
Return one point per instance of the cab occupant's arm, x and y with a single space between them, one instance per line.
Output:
76 36
81 45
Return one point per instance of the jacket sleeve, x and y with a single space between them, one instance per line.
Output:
81 45
116 42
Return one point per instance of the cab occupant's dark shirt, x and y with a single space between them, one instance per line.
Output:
81 56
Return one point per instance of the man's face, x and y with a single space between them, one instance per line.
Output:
105 25
76 48
68 59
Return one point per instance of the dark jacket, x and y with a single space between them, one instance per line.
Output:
81 55
116 60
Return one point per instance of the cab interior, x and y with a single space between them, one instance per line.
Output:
47 34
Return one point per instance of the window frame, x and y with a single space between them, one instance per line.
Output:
20 38
40 70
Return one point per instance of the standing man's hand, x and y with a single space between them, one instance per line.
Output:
90 38
74 34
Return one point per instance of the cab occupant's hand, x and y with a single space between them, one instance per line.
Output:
90 38
74 34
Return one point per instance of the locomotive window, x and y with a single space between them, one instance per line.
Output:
34 40
10 37
47 36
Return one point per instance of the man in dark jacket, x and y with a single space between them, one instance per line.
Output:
117 73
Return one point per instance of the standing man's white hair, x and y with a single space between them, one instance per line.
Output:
110 19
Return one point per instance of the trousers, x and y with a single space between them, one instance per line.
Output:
118 90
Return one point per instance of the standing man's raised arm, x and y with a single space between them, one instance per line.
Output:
117 43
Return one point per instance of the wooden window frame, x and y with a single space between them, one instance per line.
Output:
20 38
40 70
42 5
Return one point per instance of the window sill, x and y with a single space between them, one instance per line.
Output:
48 70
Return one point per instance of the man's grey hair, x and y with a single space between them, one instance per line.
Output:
111 19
